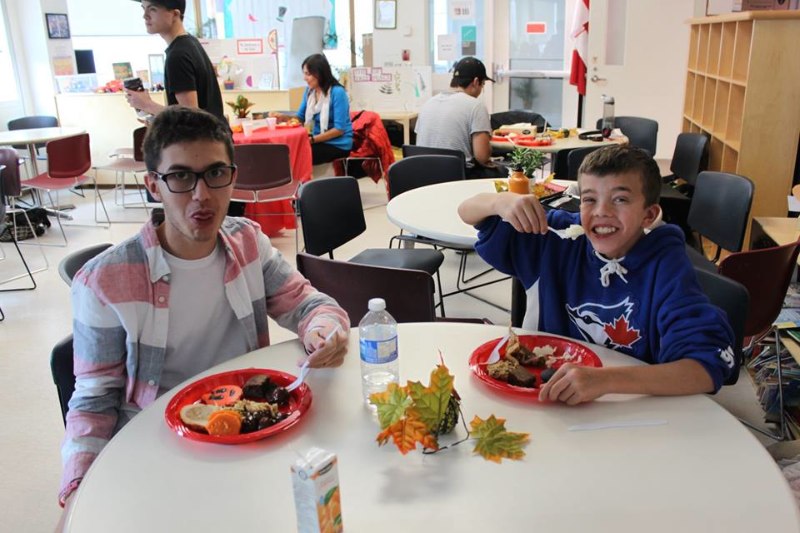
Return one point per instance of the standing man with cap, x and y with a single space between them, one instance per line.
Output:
189 76
458 120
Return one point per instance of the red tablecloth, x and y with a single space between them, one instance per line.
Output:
300 159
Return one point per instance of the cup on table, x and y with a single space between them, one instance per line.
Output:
247 128
272 122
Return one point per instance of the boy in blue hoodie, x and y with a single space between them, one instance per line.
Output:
615 285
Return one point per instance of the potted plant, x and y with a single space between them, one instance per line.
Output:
241 106
529 160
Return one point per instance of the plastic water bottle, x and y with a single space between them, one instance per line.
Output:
607 124
377 334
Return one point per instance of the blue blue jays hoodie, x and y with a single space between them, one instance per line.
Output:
647 305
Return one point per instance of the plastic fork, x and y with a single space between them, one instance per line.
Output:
305 368
495 355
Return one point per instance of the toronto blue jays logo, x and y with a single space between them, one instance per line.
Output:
607 325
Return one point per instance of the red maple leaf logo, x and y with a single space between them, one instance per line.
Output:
621 334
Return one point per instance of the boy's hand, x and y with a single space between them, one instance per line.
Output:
522 211
574 384
138 99
326 344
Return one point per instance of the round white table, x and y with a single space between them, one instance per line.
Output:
700 471
34 136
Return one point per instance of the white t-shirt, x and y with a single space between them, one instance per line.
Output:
203 330
449 119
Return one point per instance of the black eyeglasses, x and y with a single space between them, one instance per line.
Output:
186 180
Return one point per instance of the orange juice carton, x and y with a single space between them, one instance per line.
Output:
317 500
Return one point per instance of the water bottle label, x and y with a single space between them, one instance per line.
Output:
379 352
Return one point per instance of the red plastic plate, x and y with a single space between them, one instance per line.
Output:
299 403
583 356
533 142
285 125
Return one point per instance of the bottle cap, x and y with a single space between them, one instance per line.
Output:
377 304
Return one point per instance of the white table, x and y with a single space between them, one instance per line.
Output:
404 118
702 471
34 136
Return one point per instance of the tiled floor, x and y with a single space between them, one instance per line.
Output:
32 428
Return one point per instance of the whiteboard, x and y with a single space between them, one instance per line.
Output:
390 88
245 61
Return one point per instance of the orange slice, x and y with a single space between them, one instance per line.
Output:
224 422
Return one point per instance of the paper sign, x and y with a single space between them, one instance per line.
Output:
249 47
446 47
536 27
462 9
468 36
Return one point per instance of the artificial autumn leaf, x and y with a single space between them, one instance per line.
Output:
620 334
406 433
430 403
494 442
391 404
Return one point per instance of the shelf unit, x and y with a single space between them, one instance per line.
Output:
743 91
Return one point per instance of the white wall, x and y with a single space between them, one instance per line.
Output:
411 34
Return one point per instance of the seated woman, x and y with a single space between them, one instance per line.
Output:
325 104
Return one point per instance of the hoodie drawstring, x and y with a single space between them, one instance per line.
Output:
611 267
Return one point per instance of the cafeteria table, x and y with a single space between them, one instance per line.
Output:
300 161
683 464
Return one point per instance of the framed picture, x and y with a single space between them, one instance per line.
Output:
57 25
385 14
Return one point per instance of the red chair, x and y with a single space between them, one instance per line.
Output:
264 176
68 160
766 273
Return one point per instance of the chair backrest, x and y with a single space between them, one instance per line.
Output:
262 166
766 273
63 370
641 132
422 170
138 143
575 158
410 150
34 121
720 208
690 156
69 157
732 297
331 213
73 262
515 116
408 293
10 174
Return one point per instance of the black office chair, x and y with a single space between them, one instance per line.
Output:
641 132
515 116
688 160
63 370
70 265
732 297
410 150
420 170
331 215
408 293
575 158
719 212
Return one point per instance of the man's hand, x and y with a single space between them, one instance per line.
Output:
138 99
325 343
574 384
522 211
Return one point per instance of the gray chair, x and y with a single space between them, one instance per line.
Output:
719 212
515 116
331 214
575 158
73 262
410 150
688 160
641 132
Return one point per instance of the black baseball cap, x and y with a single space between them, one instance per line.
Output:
169 4
470 68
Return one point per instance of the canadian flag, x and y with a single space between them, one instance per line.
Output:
580 34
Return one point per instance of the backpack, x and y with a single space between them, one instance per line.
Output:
19 222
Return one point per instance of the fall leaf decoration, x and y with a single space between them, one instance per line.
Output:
494 442
414 414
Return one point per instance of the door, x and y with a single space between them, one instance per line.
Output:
638 52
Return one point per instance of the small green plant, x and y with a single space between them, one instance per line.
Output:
529 160
241 106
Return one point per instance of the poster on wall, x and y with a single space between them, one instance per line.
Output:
390 88
242 63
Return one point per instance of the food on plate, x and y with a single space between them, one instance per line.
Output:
196 415
546 374
536 358
224 395
521 377
256 406
224 422
520 364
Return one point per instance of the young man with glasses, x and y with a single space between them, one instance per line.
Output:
184 294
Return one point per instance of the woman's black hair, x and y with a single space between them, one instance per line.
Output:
318 66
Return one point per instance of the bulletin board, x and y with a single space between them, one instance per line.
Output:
390 88
247 62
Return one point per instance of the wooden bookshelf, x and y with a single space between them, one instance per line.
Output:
743 91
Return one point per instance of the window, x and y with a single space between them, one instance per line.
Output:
468 30
8 89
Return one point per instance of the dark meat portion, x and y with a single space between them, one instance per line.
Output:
254 388
520 377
